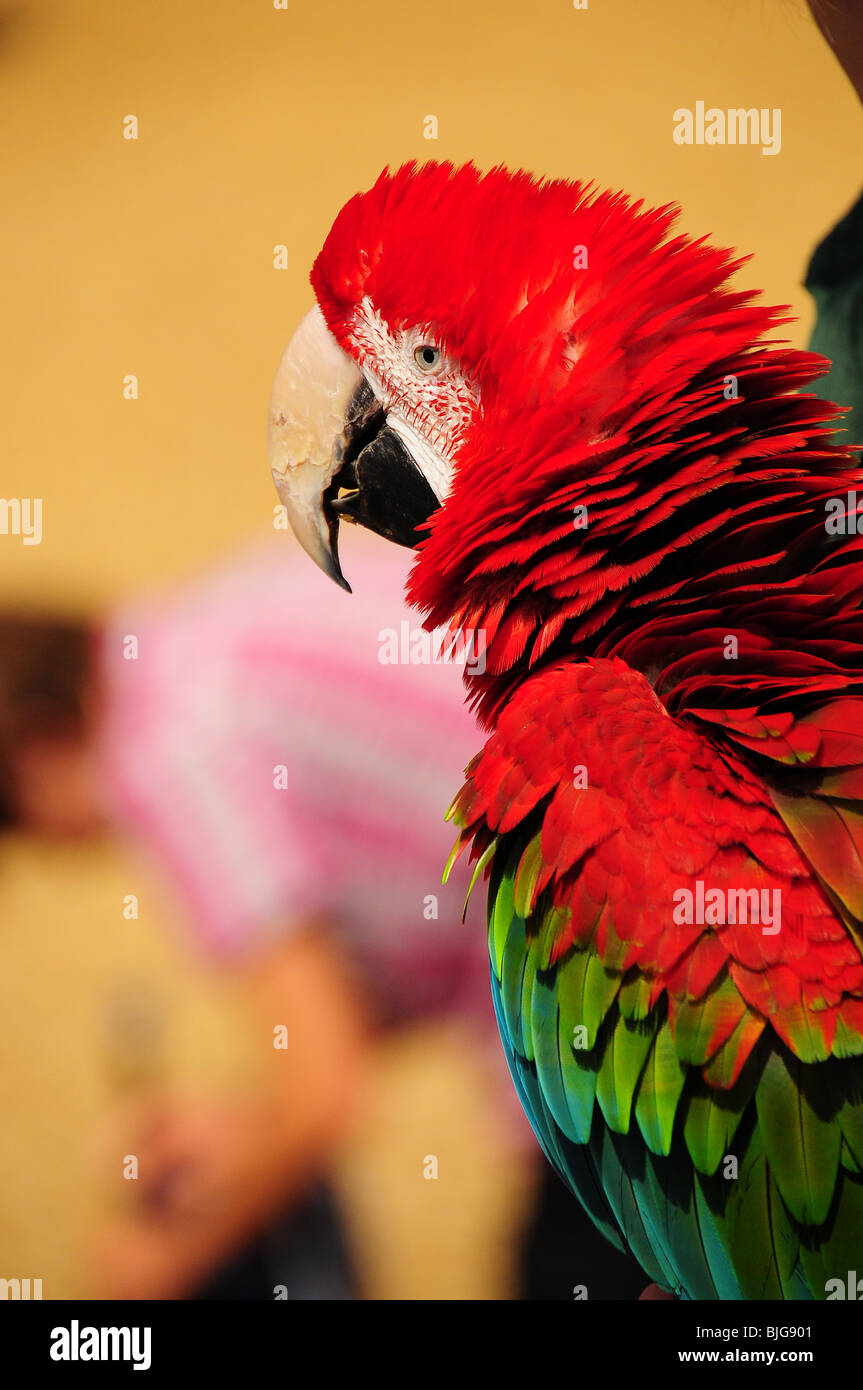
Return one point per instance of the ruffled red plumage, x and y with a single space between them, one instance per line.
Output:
643 393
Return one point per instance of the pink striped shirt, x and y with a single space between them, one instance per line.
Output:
259 740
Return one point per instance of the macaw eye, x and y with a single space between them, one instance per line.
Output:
428 357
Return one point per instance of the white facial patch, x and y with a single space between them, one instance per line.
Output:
429 410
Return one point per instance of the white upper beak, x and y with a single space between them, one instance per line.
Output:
314 384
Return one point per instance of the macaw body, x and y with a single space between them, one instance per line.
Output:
693 1081
611 474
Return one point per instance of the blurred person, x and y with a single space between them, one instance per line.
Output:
277 753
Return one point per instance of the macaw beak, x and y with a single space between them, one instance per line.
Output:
332 454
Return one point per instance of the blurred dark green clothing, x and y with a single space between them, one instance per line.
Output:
835 281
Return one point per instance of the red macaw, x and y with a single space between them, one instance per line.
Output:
615 479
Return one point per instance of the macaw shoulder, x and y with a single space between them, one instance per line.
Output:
642 839
593 734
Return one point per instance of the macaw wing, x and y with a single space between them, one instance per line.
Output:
813 766
697 1080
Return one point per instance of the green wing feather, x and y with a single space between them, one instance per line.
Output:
719 1190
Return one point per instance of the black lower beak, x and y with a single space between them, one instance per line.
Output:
378 484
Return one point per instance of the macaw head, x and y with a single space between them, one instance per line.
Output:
541 390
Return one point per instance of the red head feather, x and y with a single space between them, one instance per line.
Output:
607 358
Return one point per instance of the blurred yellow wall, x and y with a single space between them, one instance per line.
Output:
155 257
